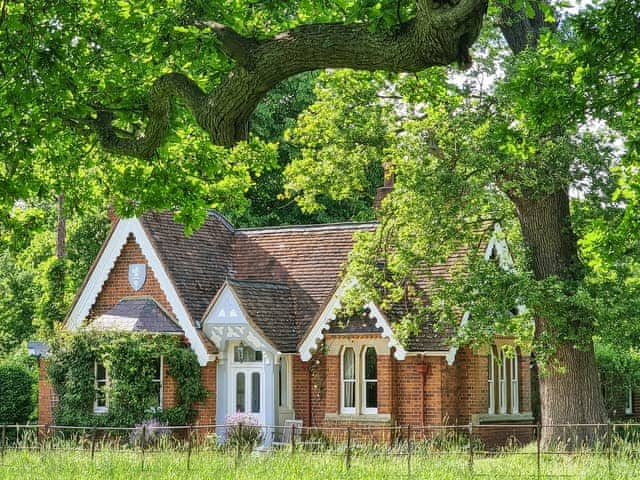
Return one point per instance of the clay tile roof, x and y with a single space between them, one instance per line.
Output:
270 307
140 314
198 264
308 259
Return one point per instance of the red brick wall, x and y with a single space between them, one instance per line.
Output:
117 285
46 396
301 390
207 408
409 396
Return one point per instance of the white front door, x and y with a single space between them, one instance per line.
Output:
246 391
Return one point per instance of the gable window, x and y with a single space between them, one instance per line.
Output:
628 401
503 394
359 381
157 382
101 382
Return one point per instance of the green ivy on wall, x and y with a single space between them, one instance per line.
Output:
129 359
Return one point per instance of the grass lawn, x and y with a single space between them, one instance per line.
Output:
127 465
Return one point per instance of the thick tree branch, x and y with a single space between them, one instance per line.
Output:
519 30
440 34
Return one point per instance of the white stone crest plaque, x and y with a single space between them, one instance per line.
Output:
137 275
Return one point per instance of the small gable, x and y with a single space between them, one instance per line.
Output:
118 286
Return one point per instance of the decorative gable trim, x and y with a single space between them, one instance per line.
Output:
505 260
102 268
227 320
328 314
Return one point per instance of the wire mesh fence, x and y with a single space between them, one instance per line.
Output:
468 450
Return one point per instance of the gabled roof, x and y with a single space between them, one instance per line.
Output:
284 277
138 314
270 307
198 264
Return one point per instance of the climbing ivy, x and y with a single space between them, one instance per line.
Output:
129 359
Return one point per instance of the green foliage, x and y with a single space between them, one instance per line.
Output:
619 370
17 384
16 303
129 360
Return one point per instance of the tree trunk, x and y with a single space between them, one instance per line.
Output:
569 386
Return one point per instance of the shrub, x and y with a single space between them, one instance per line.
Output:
243 431
148 433
16 393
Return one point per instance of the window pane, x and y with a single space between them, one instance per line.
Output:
372 395
370 364
240 392
246 354
349 394
255 392
101 372
157 370
349 364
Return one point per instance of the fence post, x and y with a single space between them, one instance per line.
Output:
408 451
538 451
471 449
142 440
93 443
293 438
348 457
609 443
189 447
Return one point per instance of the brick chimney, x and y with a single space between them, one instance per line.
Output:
113 216
387 186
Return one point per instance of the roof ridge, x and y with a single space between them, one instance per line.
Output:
312 227
260 282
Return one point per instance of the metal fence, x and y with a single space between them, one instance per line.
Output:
470 446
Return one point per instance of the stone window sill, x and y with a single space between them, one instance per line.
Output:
503 418
371 418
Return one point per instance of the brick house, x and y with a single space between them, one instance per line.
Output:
258 308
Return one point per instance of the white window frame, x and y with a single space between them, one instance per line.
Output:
515 387
502 383
491 383
284 380
344 409
365 381
628 401
161 382
96 408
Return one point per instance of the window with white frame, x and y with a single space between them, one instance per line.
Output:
158 383
348 381
101 383
283 383
359 381
370 380
504 394
628 401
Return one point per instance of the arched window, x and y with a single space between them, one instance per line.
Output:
348 397
370 381
503 382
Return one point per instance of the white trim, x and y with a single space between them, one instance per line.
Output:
161 382
628 404
103 268
491 383
96 408
364 410
343 409
502 383
323 322
515 387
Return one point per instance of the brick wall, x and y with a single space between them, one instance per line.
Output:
46 396
117 285
207 408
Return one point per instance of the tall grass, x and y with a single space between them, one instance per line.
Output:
125 464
